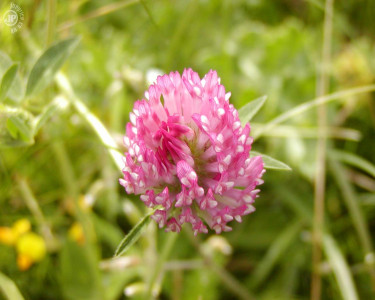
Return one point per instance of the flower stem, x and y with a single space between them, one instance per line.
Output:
51 21
156 278
227 279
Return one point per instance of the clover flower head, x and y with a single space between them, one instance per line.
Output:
188 155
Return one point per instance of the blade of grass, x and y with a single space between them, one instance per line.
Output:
102 11
287 131
311 104
340 268
362 180
9 288
355 211
34 208
274 252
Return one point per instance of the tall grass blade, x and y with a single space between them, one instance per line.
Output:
9 288
340 268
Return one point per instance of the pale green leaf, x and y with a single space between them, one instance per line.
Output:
16 127
9 289
16 91
12 129
23 128
48 64
249 110
57 104
133 235
8 80
271 163
340 268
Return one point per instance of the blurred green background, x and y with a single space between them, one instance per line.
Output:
62 211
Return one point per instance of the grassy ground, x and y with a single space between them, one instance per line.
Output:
313 226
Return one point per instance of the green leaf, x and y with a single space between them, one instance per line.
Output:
48 64
340 268
23 128
12 129
354 160
16 91
133 235
349 196
248 111
271 163
8 80
48 111
16 127
9 288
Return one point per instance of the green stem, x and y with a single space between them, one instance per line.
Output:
156 278
227 279
92 120
33 206
51 21
67 172
104 10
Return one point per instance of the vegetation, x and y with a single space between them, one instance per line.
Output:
69 77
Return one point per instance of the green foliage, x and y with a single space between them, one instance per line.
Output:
340 268
16 90
80 278
248 111
133 235
8 80
16 127
9 288
48 64
62 133
271 163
